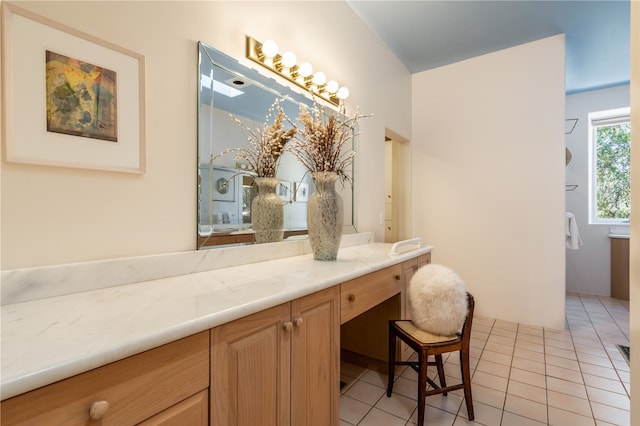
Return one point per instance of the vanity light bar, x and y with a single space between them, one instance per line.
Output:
266 54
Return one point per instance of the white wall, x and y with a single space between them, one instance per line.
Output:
588 268
55 215
488 177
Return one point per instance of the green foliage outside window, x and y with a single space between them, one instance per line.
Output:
613 195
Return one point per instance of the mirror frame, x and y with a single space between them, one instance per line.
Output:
206 235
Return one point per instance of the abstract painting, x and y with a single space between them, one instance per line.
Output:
81 98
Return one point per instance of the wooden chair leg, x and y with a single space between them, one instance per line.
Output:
422 386
466 380
440 367
392 361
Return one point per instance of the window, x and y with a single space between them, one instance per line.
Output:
610 159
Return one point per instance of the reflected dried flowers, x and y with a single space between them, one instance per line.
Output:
267 144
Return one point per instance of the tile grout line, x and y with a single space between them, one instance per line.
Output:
615 321
600 337
504 402
593 414
545 375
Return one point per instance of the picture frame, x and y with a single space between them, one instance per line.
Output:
99 134
224 185
284 191
301 192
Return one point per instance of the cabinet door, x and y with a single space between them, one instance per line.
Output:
315 363
250 378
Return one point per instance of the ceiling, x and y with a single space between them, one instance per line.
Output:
430 33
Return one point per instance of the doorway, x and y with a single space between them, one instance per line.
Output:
397 188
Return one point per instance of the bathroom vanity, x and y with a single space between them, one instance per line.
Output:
187 349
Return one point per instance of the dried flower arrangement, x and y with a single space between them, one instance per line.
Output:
321 144
267 143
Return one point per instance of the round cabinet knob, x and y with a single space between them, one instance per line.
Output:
98 410
397 277
352 297
298 321
287 326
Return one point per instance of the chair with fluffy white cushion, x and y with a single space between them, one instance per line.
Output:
441 315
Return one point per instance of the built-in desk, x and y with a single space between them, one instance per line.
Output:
77 337
367 305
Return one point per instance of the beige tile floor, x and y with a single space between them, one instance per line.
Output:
521 375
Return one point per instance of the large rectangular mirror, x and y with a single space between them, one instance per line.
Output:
225 185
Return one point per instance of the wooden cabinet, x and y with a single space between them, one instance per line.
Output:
126 392
279 366
219 239
620 268
250 374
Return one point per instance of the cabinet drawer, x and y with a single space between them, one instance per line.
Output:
193 411
135 388
363 293
424 259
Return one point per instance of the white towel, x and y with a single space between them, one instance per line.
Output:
571 231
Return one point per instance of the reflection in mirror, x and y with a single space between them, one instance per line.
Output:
226 186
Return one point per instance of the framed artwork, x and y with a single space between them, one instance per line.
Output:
302 192
284 191
224 185
71 99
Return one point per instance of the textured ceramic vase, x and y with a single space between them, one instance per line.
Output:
325 217
267 212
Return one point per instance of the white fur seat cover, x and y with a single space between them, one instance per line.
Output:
437 300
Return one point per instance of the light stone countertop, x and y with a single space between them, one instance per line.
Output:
54 338
619 236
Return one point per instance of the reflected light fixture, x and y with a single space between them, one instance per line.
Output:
266 54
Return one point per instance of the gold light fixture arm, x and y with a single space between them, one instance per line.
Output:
300 75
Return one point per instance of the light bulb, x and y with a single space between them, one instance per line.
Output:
288 59
305 69
343 93
319 78
269 48
332 86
